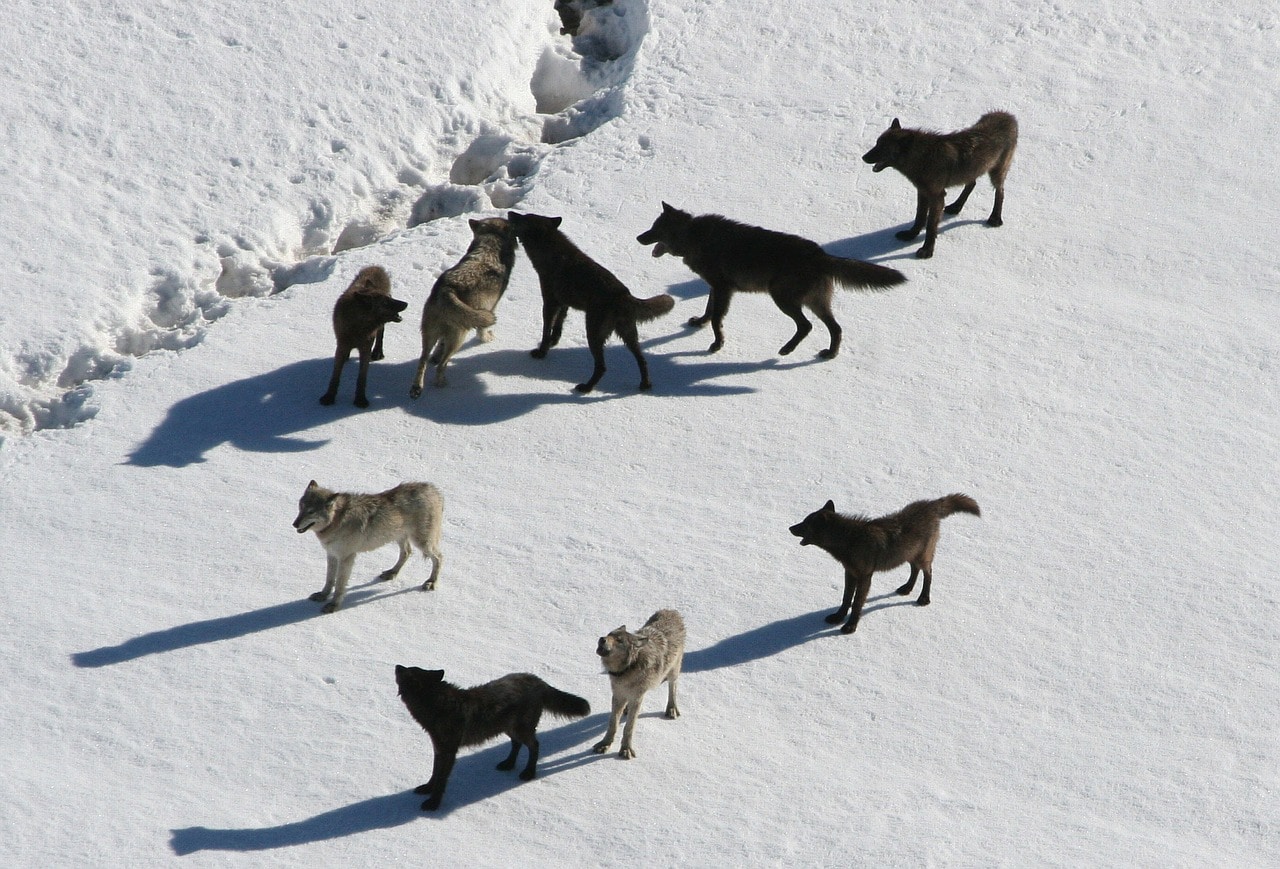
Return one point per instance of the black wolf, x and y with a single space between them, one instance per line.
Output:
935 161
794 271
866 546
458 717
359 316
571 279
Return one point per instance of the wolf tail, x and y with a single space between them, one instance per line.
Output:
957 504
862 275
652 308
564 704
467 316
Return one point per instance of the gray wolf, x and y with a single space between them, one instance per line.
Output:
935 161
866 546
794 271
635 664
465 296
458 717
571 13
348 523
571 279
359 316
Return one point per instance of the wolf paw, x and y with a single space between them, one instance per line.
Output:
601 747
584 388
361 401
528 775
906 234
538 353
835 618
849 628
330 607
431 804
427 586
415 391
425 789
387 575
319 596
828 353
327 399
924 253
627 753
505 765
673 713
696 322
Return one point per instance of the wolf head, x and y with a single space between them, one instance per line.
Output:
495 227
370 296
315 508
889 149
814 525
532 226
617 649
415 681
667 231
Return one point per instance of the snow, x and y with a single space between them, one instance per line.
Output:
1095 681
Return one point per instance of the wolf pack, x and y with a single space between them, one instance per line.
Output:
729 256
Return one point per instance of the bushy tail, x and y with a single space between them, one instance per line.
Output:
862 275
465 315
564 704
957 503
652 308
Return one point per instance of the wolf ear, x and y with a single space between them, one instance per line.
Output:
475 224
667 208
895 125
620 630
555 222
830 506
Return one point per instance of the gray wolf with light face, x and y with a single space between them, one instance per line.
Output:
456 717
794 271
347 523
637 663
465 296
359 318
867 546
935 161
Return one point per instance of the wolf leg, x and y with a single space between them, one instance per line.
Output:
416 389
922 212
864 586
340 589
633 715
340 358
850 582
437 559
394 570
673 711
363 376
440 769
631 338
931 231
720 298
927 570
954 208
330 578
619 704
906 587
553 314
448 346
597 334
376 355
792 309
996 218
510 761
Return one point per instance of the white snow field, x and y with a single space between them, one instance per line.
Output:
190 187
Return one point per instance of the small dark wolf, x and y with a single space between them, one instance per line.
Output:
571 279
935 161
465 296
794 271
359 316
458 717
866 546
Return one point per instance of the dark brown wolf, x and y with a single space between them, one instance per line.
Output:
359 316
866 546
465 296
458 717
571 279
935 161
794 271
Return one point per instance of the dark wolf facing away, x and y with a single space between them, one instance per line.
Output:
456 717
465 296
348 523
935 161
866 546
571 279
794 271
637 663
359 316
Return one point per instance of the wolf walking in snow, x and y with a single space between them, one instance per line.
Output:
359 317
637 663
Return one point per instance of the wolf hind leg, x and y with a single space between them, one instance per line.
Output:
795 311
906 587
448 346
954 208
631 339
672 711
394 571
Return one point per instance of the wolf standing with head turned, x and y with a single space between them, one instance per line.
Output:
359 317
635 664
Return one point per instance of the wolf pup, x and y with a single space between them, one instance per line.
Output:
733 256
465 296
359 316
866 546
636 663
935 161
458 717
348 523
571 279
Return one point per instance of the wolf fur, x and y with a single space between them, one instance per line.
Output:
935 161
635 664
866 546
794 271
571 279
458 717
348 523
465 296
359 316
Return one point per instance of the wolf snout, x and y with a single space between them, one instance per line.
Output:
798 531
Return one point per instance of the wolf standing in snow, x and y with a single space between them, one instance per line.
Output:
935 161
866 546
636 663
347 524
359 317
457 717
465 296
730 256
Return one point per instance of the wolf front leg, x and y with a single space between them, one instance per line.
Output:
330 577
340 586
619 705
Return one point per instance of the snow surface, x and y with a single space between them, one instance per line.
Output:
190 187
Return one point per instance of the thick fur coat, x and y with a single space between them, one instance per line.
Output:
637 663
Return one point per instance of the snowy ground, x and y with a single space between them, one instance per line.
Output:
1095 682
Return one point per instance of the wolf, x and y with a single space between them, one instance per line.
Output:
636 663
458 717
935 161
571 279
359 316
465 296
866 546
794 271
348 523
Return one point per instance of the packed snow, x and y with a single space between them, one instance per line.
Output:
191 187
